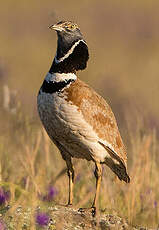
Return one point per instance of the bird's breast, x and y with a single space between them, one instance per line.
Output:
65 124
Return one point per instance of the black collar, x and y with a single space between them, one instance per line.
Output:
53 86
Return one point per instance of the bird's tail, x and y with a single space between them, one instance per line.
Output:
116 164
118 168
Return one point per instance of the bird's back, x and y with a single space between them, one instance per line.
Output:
98 114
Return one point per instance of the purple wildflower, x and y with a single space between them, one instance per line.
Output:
52 192
42 219
2 226
155 204
4 196
78 177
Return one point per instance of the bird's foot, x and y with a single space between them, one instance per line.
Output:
85 210
68 205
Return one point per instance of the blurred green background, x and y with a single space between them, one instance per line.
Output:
123 41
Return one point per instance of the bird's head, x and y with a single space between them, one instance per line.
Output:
72 50
67 30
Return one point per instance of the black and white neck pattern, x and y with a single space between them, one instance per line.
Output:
75 58
69 59
57 82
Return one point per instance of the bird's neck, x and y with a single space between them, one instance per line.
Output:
56 82
67 61
71 58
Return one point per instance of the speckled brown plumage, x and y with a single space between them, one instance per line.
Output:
98 114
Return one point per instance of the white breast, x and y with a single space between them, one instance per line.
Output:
65 123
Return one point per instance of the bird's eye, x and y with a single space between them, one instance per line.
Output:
71 27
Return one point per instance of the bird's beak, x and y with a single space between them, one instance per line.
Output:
56 27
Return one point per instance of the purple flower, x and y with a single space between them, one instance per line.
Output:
2 226
78 177
155 204
4 196
42 219
52 192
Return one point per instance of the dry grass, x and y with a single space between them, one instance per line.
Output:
30 163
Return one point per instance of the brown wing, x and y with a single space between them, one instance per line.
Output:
99 115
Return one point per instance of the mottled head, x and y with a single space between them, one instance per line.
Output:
72 50
67 31
65 26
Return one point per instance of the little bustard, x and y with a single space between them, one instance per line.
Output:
78 120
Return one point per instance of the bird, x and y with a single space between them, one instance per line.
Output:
76 118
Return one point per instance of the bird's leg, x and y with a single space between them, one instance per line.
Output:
70 172
98 175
